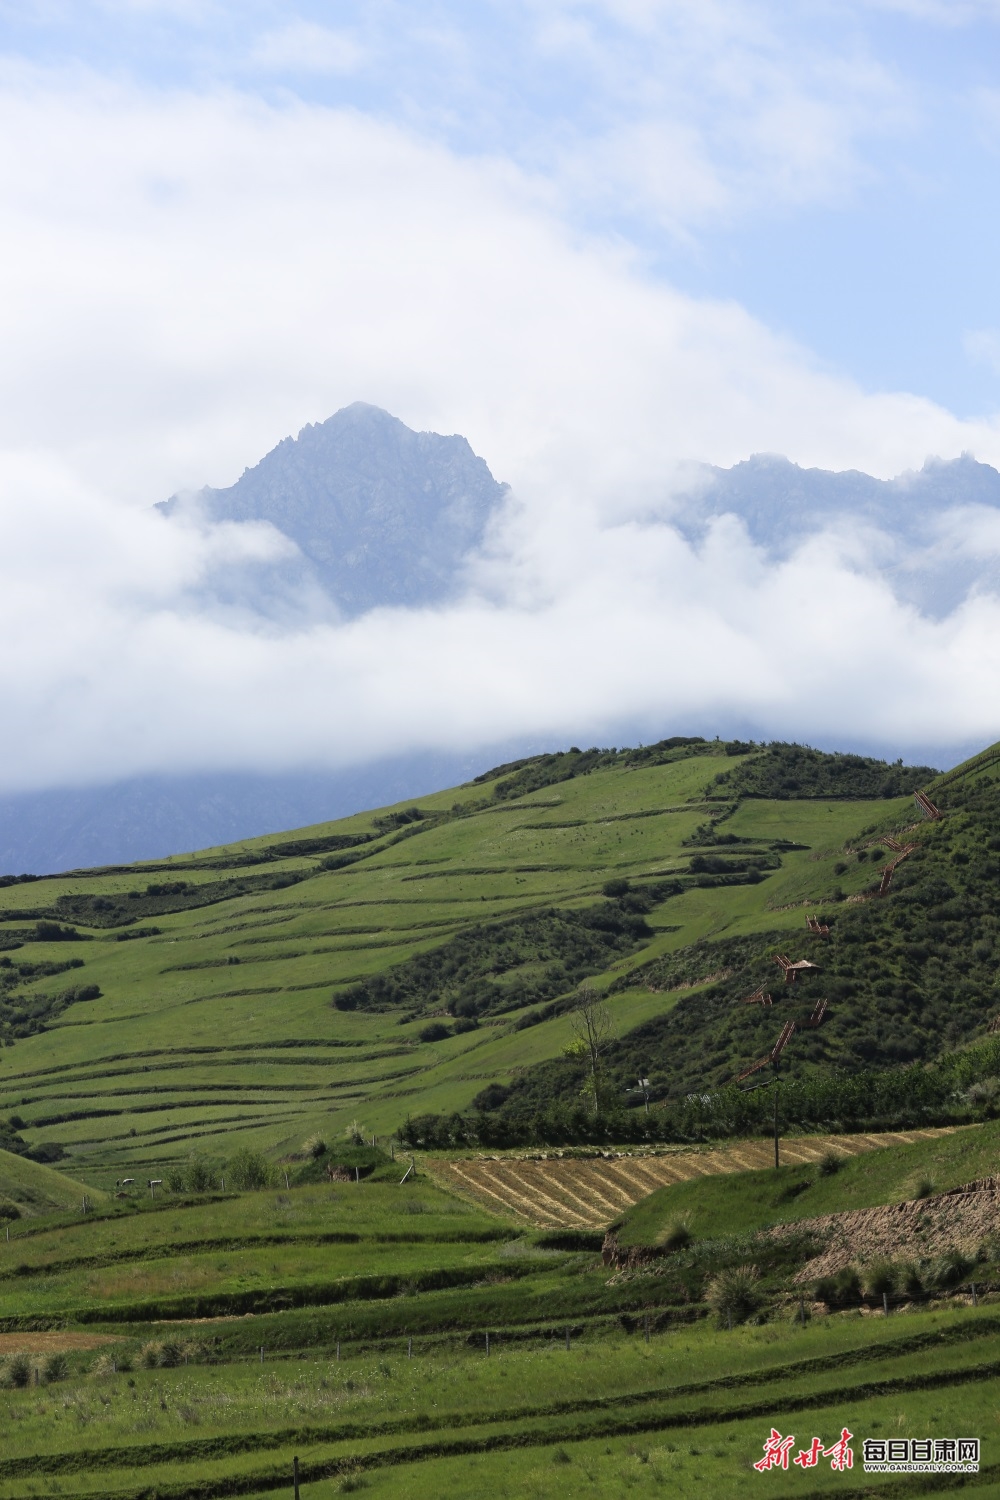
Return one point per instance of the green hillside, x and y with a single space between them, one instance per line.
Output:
398 964
740 1203
30 1188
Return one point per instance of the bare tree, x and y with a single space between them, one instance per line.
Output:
593 1032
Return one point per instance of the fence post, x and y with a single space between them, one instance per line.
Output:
487 1343
295 1476
409 1349
338 1351
567 1340
262 1353
975 1299
885 1303
286 1185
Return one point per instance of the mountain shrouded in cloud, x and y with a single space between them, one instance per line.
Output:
935 531
381 515
404 620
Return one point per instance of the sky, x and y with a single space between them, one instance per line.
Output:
603 239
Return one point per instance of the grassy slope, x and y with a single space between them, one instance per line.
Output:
219 1029
746 1201
38 1189
688 1408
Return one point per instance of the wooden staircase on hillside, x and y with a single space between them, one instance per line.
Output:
925 806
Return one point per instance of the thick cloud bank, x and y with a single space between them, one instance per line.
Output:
199 275
572 624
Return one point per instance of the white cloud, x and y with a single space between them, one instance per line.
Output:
189 278
589 626
196 276
718 110
304 46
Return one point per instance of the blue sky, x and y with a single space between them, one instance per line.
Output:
832 167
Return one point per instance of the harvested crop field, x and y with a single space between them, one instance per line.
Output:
56 1342
956 1220
560 1192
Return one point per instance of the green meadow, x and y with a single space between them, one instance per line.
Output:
496 1361
217 1256
217 1027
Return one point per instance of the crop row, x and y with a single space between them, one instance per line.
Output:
591 1193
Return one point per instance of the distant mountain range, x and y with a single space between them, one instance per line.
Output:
933 557
147 817
374 514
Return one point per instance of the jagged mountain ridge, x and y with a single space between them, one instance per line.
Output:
934 523
381 515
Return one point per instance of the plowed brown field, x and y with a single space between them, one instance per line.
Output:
559 1192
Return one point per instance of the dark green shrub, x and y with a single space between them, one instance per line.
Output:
825 1290
830 1164
19 1371
909 1281
734 1294
848 1286
56 1367
435 1032
675 1236
841 1290
249 1170
46 1151
880 1278
949 1270
52 932
199 1177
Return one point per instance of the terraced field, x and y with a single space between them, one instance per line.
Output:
555 1192
399 1341
215 1025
